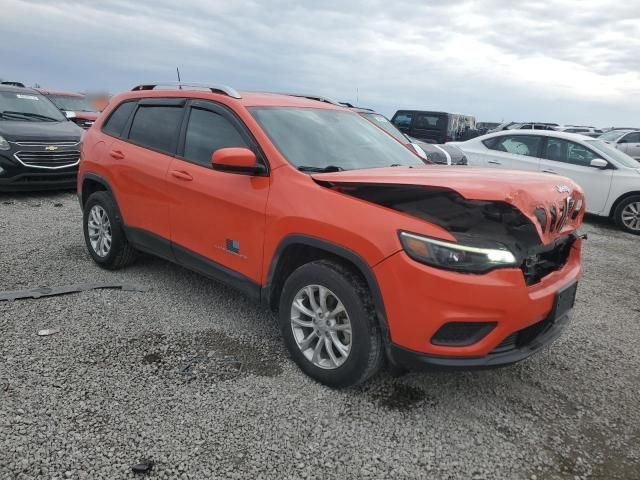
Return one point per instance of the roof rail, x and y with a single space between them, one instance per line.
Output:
318 98
223 89
14 84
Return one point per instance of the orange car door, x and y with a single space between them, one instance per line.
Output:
140 161
217 218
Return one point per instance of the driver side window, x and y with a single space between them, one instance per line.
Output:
568 152
631 138
207 132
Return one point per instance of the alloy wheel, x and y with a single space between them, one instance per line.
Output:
631 216
321 326
99 229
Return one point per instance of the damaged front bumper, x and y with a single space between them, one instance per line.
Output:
506 353
514 319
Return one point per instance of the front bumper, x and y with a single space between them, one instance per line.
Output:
419 300
507 355
15 177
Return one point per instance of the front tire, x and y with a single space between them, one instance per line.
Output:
329 326
103 233
627 214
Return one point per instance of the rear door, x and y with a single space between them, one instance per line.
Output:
572 160
518 152
217 218
430 127
140 163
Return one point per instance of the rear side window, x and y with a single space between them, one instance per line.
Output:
430 122
156 127
517 144
118 119
207 132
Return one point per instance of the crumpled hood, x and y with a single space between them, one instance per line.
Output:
526 191
40 131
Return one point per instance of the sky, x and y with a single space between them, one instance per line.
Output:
563 61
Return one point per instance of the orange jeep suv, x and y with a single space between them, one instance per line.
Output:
366 254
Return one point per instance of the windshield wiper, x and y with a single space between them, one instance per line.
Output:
328 168
15 115
30 115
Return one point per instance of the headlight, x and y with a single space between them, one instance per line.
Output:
454 256
4 145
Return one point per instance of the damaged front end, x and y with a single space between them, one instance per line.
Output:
489 234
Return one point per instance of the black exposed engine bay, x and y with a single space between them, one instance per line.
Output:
473 222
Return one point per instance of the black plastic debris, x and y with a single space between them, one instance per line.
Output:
144 466
39 292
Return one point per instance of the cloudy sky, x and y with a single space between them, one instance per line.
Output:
562 60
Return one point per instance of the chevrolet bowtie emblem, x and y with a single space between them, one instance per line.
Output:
51 148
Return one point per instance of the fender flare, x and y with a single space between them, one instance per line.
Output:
339 251
105 183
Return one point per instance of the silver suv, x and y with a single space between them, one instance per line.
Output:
626 140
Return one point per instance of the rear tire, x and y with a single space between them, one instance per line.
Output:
337 349
627 214
104 233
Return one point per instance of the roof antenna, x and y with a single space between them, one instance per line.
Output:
179 81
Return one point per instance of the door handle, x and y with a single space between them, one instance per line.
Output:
179 174
117 154
494 162
550 171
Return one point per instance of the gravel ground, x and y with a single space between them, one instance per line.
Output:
193 376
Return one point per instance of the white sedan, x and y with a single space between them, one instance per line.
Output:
610 178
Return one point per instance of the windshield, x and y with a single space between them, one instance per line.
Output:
619 156
382 122
72 104
319 138
28 107
612 136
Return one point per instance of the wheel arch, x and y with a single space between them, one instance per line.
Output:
297 250
620 199
92 183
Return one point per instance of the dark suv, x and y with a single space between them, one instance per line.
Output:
435 127
39 147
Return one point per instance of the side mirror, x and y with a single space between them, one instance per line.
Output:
599 163
622 140
238 160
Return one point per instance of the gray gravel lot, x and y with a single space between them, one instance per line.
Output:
194 376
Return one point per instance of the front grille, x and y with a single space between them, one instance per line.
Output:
459 334
50 160
540 264
63 143
507 344
523 337
68 178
